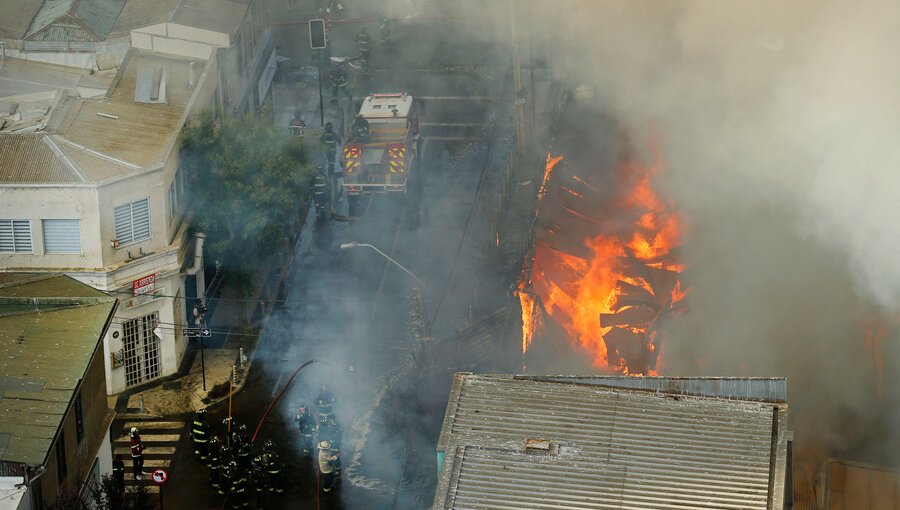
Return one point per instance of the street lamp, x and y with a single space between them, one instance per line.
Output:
420 285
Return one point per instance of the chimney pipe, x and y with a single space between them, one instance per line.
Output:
192 75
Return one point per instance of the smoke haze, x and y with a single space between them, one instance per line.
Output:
778 122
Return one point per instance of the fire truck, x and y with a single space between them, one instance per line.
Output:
382 163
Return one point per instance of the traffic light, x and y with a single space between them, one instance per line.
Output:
317 34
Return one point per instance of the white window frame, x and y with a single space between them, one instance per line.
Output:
15 242
56 252
131 222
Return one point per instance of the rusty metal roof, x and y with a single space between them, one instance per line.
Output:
50 328
74 20
125 132
608 446
31 158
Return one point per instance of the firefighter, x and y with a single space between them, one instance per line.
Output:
272 465
137 454
305 428
200 436
224 472
325 403
326 466
338 81
119 473
241 446
363 42
360 129
330 430
238 494
215 459
330 140
259 480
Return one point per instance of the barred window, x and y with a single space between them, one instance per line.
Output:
62 236
133 222
15 236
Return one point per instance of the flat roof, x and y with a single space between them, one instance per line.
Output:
223 16
528 442
125 131
50 327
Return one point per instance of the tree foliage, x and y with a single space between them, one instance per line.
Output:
249 185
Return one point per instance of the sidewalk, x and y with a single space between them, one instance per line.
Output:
186 394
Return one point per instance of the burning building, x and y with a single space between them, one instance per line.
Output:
604 265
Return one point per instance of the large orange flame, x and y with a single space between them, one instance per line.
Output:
606 302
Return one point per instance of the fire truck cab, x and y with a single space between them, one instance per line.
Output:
382 163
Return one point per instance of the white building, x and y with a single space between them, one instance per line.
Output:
89 160
94 190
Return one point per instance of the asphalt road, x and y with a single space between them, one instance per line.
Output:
354 313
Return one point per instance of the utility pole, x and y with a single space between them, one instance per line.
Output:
517 78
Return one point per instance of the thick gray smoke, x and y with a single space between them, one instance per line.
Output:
779 123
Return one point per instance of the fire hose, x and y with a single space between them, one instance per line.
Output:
277 397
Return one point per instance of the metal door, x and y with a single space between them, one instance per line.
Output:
141 349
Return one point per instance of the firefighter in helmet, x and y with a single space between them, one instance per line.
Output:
330 140
200 436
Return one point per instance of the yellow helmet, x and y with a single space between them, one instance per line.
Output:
324 445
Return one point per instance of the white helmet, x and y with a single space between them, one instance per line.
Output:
133 430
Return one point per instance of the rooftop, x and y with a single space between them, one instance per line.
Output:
74 20
50 328
525 442
224 16
56 136
16 16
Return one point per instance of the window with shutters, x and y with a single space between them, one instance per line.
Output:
15 236
62 236
133 222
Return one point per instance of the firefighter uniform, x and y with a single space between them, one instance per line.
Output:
325 403
330 140
360 129
259 480
338 81
272 464
305 428
363 43
326 467
238 494
200 436
224 471
215 459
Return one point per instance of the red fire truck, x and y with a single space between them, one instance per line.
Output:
382 163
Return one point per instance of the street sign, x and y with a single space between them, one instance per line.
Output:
143 285
204 332
159 476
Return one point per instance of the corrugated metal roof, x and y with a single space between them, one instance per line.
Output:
74 20
140 134
99 15
765 389
614 447
16 16
45 349
28 158
49 12
143 13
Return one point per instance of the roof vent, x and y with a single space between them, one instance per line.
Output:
150 85
535 446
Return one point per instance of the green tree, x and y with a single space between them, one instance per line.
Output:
249 186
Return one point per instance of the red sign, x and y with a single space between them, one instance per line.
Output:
159 476
143 285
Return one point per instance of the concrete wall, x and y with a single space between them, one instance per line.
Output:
80 455
35 203
176 39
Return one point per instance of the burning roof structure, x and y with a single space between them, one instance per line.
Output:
528 442
604 263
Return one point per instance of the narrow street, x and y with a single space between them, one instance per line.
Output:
354 313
